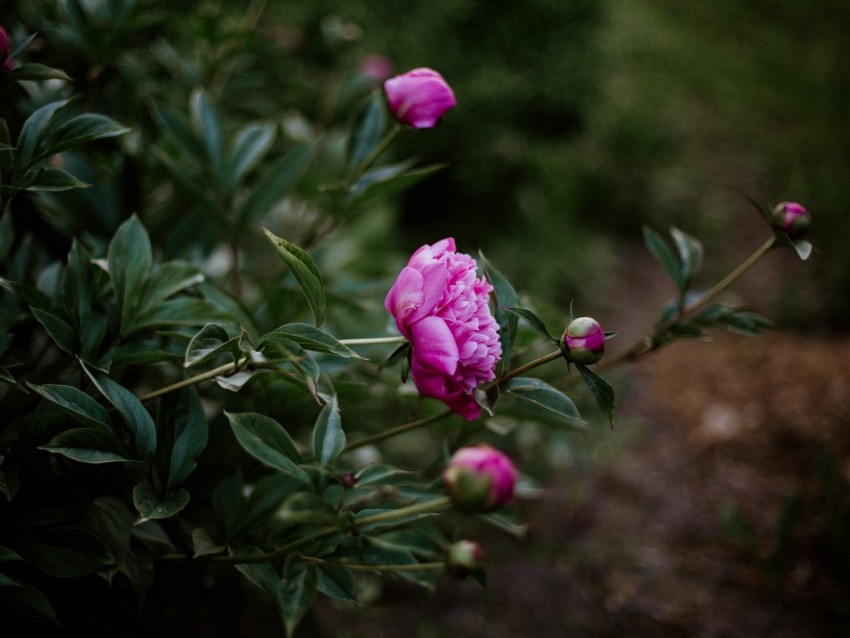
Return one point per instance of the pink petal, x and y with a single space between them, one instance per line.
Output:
434 345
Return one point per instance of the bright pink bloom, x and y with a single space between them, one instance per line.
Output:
5 61
585 340
419 98
791 218
441 307
376 67
480 478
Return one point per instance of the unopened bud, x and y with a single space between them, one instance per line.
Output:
584 341
463 558
792 219
480 479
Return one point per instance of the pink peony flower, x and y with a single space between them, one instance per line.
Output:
585 340
792 219
480 478
376 67
419 98
441 307
5 61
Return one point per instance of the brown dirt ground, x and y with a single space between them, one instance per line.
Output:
679 532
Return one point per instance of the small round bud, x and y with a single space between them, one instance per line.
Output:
792 219
463 558
584 341
480 479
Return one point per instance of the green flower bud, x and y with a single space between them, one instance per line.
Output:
463 558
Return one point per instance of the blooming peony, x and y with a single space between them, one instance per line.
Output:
480 478
419 98
441 307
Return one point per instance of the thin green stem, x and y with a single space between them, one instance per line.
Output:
434 505
374 567
372 341
366 164
210 374
404 427
546 358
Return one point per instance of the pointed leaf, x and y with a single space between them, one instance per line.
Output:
166 280
543 396
130 261
250 145
46 179
79 130
62 334
32 71
368 130
690 256
76 403
274 186
266 440
310 338
87 446
328 437
336 582
535 322
602 392
181 437
661 251
505 297
304 269
208 127
151 506
31 134
296 591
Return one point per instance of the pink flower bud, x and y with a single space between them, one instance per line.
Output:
480 478
419 98
584 340
792 219
464 557
5 61
376 67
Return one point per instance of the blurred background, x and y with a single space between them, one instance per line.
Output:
719 504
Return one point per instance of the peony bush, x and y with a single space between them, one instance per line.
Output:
193 380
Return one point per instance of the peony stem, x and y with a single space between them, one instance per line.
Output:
372 341
373 156
434 505
227 368
404 427
373 567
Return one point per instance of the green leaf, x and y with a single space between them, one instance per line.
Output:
274 186
266 440
29 295
384 181
296 591
328 437
21 46
543 395
310 338
111 521
62 334
79 130
24 599
535 322
690 256
177 312
304 269
34 72
368 131
87 446
31 135
45 179
80 294
211 342
305 507
505 297
130 261
151 506
207 125
602 392
659 249
182 435
76 403
337 583
134 414
166 280
62 552
250 145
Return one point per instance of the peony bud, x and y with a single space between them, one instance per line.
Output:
376 67
584 341
480 479
464 557
792 219
419 98
5 60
